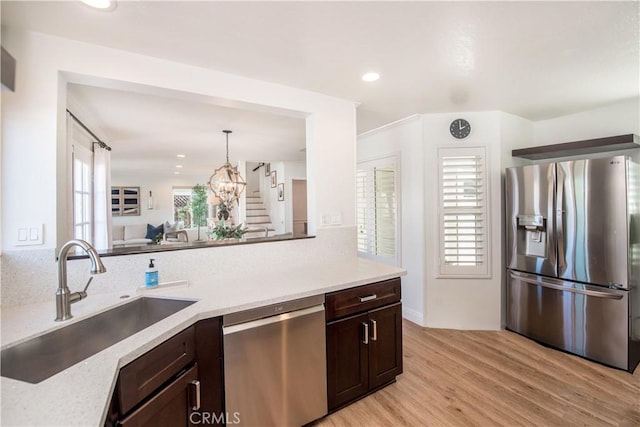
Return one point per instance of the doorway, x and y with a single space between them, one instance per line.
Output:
299 203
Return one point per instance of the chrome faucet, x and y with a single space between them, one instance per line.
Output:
64 298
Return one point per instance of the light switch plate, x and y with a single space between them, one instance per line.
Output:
29 235
331 218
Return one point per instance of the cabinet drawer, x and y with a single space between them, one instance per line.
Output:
355 300
148 372
170 407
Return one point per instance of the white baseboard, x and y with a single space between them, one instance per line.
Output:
413 315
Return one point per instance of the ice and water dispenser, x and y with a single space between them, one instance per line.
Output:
532 235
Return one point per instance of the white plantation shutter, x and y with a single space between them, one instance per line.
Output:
376 210
463 212
363 217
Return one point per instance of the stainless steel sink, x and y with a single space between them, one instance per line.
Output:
41 357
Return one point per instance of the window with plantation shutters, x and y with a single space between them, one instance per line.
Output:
463 212
376 210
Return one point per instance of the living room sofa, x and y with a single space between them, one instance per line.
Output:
133 234
136 234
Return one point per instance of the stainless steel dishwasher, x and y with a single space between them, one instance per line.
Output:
275 365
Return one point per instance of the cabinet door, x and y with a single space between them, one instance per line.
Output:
385 344
347 360
210 366
171 407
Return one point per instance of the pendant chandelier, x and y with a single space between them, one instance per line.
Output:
226 182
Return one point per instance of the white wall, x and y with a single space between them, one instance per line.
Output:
292 170
253 178
404 138
463 303
281 212
34 153
430 300
161 186
616 119
479 304
274 207
31 121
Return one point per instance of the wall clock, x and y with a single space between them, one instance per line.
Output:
460 128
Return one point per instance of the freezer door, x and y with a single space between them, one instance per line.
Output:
530 210
586 320
592 221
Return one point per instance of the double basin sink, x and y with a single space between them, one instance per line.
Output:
44 356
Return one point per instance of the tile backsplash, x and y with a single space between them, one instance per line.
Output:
30 276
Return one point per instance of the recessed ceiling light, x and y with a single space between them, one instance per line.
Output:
370 77
176 173
182 156
101 4
178 166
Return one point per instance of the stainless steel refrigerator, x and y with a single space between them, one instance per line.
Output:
573 257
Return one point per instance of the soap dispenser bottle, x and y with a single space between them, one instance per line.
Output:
151 275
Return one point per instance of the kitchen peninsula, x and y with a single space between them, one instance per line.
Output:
80 394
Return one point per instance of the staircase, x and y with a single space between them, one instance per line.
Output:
258 221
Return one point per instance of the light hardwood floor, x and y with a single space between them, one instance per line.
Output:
494 378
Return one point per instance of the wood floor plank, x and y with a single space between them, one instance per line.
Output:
494 378
543 384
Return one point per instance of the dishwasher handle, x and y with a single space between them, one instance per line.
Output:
228 330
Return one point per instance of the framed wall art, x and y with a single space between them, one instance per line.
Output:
281 192
125 201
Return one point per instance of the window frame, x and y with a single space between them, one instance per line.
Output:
84 157
393 159
483 270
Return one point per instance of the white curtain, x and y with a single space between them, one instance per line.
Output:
101 198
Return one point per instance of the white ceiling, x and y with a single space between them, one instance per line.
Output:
147 132
534 59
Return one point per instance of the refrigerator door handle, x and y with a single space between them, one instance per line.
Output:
560 219
563 288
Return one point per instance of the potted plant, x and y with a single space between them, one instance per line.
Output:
222 231
199 207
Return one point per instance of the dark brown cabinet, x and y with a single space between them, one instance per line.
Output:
173 405
177 383
364 340
385 345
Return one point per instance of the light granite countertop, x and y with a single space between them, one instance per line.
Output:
79 395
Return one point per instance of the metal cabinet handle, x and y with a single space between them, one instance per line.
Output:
374 335
368 298
196 391
366 332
